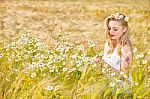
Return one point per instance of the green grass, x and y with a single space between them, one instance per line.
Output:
48 49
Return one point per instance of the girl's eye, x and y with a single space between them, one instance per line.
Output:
115 29
109 28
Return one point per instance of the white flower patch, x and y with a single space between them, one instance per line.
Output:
141 55
119 16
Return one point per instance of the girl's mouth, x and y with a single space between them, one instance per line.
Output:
112 35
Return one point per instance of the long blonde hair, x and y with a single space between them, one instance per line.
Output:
124 38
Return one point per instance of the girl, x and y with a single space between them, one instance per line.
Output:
118 51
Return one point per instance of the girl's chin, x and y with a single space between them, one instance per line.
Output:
113 38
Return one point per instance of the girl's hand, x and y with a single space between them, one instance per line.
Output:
97 60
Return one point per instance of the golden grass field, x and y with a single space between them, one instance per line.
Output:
54 36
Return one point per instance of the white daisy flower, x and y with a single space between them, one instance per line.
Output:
112 84
121 16
50 88
64 69
126 19
33 75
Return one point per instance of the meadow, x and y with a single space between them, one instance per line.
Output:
48 49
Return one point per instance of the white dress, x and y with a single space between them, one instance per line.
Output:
114 60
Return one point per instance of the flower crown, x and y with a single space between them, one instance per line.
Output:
119 16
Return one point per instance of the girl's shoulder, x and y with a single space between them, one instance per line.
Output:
127 42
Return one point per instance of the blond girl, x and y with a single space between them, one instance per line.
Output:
118 51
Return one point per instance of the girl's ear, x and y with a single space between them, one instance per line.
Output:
124 29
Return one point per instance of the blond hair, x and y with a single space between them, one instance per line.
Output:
124 38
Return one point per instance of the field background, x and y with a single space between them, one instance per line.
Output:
82 19
75 21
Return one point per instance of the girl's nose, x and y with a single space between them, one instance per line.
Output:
112 32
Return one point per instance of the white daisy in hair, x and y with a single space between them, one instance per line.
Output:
126 19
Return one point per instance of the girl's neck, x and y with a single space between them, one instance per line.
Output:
117 41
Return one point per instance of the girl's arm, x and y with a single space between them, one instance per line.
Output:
127 56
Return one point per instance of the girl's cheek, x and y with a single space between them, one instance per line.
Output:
116 33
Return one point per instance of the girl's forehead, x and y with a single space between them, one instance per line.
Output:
114 24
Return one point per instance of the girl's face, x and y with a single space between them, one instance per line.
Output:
116 29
